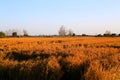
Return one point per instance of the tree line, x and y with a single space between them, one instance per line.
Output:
62 32
13 33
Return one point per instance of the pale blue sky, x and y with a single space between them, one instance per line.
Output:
46 16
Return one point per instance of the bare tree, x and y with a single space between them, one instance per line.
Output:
62 31
70 32
107 33
10 32
25 33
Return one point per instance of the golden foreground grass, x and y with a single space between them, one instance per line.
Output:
77 58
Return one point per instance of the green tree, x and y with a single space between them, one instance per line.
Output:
14 34
2 35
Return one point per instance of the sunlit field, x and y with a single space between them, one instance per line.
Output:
72 58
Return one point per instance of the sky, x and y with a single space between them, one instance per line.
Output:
47 16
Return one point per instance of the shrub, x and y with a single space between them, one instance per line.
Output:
2 35
14 34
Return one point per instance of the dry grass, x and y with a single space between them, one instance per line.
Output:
77 58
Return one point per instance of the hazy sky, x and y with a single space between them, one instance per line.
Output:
46 16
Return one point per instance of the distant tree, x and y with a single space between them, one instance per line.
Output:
73 34
70 32
62 31
99 35
2 35
84 35
107 33
118 34
10 32
25 33
113 34
14 34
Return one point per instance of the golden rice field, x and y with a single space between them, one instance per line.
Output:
72 58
